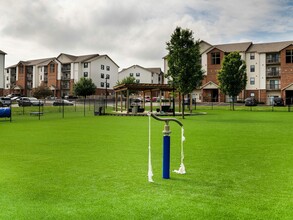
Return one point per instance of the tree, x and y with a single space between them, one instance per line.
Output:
232 76
127 80
42 92
84 87
184 61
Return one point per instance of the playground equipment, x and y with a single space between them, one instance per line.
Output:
5 112
166 147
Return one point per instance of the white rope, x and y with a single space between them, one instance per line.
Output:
150 169
182 167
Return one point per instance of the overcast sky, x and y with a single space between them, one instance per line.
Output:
134 31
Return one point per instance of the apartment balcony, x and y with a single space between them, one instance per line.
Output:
45 79
273 74
12 79
65 78
29 86
273 86
45 69
65 69
29 78
65 86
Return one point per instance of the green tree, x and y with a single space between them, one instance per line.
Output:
84 87
232 76
127 80
42 92
184 61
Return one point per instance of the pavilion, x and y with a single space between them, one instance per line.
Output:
142 87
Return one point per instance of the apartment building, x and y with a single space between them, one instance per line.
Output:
269 71
60 74
143 75
2 66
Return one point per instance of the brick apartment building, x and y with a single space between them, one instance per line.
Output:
269 71
60 74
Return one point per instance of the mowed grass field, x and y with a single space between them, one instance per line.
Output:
239 166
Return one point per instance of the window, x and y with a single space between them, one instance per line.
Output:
252 56
108 85
52 67
252 94
7 78
216 58
252 80
85 74
86 65
108 68
102 67
107 76
137 81
102 75
137 74
130 74
102 84
7 71
289 56
252 68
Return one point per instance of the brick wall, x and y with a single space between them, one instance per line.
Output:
286 69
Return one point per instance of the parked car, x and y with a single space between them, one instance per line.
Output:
62 102
29 101
5 101
278 101
250 101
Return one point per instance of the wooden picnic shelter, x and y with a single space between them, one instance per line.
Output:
142 87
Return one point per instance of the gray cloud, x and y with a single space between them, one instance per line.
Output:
131 31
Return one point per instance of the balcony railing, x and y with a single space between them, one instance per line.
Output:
273 86
65 68
273 73
65 78
65 86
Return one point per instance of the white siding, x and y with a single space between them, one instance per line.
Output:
262 71
110 68
2 64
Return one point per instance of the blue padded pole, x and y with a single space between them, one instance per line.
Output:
166 157
166 152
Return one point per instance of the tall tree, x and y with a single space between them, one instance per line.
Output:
84 87
232 76
184 61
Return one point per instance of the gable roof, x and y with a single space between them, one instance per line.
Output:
210 85
241 47
270 47
2 52
151 70
37 62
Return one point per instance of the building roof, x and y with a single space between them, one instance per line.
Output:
2 52
37 62
155 70
241 47
269 47
151 70
143 87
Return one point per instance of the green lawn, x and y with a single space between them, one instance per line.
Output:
239 166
